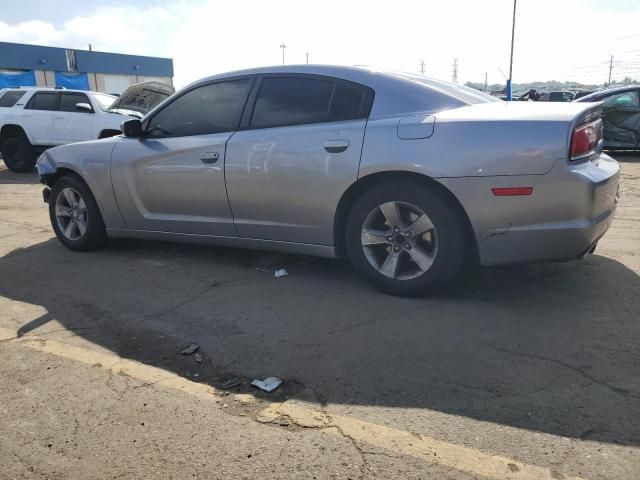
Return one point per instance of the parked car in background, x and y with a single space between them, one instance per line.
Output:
620 116
277 158
563 96
33 119
583 93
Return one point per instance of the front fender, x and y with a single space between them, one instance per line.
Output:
91 161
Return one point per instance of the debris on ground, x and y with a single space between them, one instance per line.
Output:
283 422
230 383
262 270
281 272
198 357
190 350
268 384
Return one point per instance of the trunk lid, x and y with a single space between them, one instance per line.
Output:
570 112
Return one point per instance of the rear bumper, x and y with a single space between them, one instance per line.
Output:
556 241
570 209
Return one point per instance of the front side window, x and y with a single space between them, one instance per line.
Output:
68 101
209 109
44 101
291 101
11 97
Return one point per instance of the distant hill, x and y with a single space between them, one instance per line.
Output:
548 86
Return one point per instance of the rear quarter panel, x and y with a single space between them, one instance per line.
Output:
467 148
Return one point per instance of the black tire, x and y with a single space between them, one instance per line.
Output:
18 154
448 257
95 234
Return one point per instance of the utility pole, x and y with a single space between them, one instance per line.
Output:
422 67
610 69
513 35
307 54
454 77
283 46
485 81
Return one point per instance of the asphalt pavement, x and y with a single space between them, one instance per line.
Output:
528 371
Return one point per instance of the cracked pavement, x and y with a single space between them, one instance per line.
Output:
537 365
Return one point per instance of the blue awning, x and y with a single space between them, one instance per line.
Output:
22 79
75 81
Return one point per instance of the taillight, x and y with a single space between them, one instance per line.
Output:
586 139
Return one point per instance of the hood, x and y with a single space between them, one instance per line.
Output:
139 99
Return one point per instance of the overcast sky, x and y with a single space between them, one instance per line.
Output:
555 39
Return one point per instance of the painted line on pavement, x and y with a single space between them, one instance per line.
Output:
422 447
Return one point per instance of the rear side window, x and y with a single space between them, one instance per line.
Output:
10 98
291 101
43 101
348 102
213 108
68 101
285 101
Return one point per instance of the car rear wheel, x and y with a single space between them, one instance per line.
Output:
18 155
75 215
405 238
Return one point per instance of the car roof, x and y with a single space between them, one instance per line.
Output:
396 92
50 89
605 93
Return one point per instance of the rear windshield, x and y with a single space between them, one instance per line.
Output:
11 97
464 94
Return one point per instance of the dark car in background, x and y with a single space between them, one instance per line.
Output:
620 116
583 93
560 96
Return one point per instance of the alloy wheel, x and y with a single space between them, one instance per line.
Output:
399 240
71 214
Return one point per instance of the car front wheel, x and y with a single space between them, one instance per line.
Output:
75 215
405 238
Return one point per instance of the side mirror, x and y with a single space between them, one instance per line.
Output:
84 107
131 128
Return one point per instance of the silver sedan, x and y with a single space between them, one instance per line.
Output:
407 176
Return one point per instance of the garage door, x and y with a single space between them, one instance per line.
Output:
116 83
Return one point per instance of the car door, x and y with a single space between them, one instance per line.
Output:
37 117
621 120
298 150
71 124
172 178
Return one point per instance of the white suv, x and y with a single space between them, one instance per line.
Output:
33 119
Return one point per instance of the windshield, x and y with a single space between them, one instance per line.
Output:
465 94
104 101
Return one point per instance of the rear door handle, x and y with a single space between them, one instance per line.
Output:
58 117
336 146
209 157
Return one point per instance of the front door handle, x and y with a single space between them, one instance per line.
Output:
209 157
336 146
